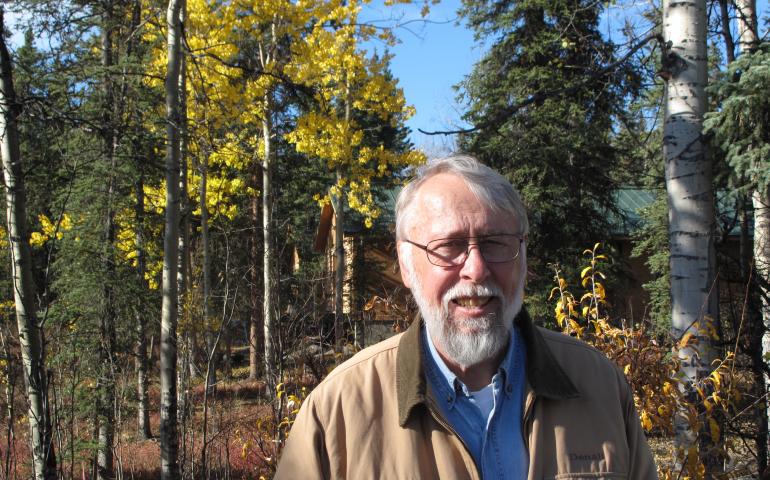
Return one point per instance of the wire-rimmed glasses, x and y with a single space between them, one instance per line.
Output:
452 252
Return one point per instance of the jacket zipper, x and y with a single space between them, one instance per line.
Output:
438 418
526 420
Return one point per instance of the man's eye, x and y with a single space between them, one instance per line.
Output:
450 245
492 242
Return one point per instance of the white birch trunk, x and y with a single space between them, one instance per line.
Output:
746 14
169 441
339 245
269 307
30 333
339 266
186 345
690 199
270 294
761 200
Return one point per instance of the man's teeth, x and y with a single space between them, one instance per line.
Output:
472 301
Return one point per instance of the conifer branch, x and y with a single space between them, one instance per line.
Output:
543 95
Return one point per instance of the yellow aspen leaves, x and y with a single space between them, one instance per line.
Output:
50 229
325 59
346 80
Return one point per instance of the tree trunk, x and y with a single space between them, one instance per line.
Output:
169 442
748 39
339 266
140 350
761 201
186 358
691 203
143 410
186 366
726 35
30 332
256 326
105 405
748 35
211 364
269 307
339 245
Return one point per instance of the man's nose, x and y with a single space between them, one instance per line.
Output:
475 267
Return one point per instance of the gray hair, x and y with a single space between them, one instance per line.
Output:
487 185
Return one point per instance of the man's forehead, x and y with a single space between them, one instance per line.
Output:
441 187
445 205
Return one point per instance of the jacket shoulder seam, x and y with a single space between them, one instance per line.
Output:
340 370
563 339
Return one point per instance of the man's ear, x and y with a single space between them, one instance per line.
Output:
403 262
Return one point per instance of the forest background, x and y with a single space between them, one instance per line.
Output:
165 165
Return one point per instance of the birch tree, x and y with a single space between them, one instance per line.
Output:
186 364
689 188
169 311
30 331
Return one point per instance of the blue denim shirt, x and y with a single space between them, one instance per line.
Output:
496 443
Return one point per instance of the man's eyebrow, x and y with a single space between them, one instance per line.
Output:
464 234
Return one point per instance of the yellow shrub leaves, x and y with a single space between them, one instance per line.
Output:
652 368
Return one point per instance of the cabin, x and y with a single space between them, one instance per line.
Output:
375 302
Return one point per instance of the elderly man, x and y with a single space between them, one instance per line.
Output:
472 389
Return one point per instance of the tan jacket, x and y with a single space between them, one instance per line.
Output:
373 418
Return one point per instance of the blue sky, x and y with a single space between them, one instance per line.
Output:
433 56
437 54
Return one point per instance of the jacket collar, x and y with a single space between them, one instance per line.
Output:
544 374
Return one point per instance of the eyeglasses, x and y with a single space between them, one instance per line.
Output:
452 252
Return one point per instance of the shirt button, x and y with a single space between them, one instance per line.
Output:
449 398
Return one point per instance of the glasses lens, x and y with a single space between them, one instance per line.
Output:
499 248
447 252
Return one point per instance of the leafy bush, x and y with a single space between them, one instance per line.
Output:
651 365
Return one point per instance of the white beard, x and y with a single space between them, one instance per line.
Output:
481 338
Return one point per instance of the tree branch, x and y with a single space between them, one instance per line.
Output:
546 94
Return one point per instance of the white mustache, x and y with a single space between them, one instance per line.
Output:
470 290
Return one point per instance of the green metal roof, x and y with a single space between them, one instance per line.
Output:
630 200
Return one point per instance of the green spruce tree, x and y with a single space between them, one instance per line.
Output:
542 104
